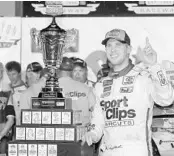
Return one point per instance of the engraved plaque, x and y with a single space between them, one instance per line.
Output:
30 133
49 133
40 133
42 149
20 133
66 117
52 149
22 149
26 117
69 134
36 117
32 149
12 150
60 134
56 117
46 117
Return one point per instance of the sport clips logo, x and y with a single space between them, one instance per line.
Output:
118 113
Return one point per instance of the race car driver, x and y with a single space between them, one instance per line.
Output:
122 116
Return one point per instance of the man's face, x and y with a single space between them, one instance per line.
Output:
14 76
79 74
32 77
116 52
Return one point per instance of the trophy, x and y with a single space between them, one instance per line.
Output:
52 42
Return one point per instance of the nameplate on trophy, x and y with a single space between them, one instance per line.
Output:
30 133
12 149
49 134
66 117
20 133
48 103
77 117
32 149
22 150
46 117
52 149
69 134
56 117
40 133
42 149
36 117
26 117
60 134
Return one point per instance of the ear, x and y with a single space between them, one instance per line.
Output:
129 49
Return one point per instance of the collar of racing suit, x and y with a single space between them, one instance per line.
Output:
123 72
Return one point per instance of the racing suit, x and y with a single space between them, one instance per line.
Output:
122 116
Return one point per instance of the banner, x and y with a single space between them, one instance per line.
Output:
10 39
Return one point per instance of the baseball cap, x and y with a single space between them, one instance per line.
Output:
67 64
79 62
34 67
117 34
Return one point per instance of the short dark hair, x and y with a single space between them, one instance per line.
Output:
13 65
35 67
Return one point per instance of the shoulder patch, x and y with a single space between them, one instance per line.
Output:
107 82
161 77
127 80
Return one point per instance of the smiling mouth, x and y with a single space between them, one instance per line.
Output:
114 56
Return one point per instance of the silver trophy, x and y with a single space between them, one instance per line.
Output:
52 43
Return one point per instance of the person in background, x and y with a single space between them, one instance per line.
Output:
4 80
82 95
17 86
80 72
7 120
33 73
122 116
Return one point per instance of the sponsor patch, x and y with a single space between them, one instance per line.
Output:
106 94
106 89
126 89
161 78
127 80
107 82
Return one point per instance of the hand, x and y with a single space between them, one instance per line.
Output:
147 55
88 138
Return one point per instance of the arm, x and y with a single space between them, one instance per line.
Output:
159 87
10 116
95 129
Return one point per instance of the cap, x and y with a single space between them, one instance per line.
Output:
34 67
117 34
79 62
67 64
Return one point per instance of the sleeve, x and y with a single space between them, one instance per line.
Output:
97 121
91 99
159 87
9 110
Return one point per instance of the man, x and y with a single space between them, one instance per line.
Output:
123 115
17 86
7 120
82 96
80 72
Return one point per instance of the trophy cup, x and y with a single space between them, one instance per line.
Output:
52 41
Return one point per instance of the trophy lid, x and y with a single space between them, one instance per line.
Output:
53 27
